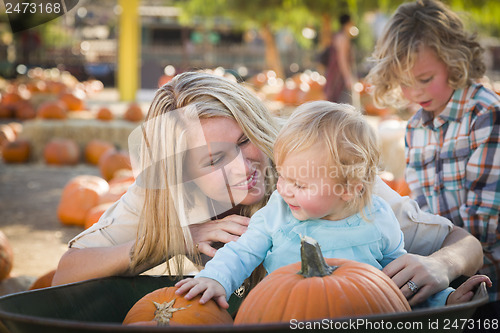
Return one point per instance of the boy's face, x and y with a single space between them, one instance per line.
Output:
430 90
307 184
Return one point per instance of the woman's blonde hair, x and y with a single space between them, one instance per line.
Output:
161 234
429 23
352 149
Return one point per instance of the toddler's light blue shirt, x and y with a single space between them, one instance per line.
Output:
273 237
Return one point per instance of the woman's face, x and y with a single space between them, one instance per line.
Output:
224 164
431 89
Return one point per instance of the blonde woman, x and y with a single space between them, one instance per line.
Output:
143 229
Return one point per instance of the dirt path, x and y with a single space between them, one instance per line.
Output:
29 195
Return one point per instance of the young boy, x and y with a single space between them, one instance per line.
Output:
327 158
426 57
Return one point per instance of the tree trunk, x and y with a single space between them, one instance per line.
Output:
273 59
326 31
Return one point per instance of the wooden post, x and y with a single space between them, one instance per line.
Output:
129 50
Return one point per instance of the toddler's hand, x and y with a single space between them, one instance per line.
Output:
465 291
209 287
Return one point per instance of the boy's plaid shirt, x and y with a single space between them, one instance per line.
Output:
453 167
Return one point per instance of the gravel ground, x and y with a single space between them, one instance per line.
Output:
29 195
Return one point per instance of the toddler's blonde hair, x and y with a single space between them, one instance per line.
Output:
429 23
351 144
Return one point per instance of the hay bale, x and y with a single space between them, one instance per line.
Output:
41 131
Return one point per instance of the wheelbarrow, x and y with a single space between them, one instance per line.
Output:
100 305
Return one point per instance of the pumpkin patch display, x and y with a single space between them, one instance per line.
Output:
163 307
316 289
6 256
79 196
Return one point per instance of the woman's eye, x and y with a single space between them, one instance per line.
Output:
214 161
299 186
244 142
426 80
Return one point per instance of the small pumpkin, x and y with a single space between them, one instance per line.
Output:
163 307
79 196
61 151
316 289
72 102
43 281
94 150
52 110
104 114
24 110
116 190
6 256
95 213
133 113
17 151
113 160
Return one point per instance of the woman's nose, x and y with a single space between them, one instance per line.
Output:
240 165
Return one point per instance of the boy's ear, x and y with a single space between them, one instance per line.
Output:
351 191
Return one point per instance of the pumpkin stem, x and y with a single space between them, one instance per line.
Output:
313 263
164 312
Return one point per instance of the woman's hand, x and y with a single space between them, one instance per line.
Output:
429 275
225 230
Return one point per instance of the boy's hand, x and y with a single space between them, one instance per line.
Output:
465 291
209 287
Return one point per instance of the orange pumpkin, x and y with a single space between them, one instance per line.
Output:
95 148
17 151
72 102
104 114
79 196
113 160
95 213
116 190
133 113
24 110
163 307
52 110
43 281
314 289
6 256
60 151
6 111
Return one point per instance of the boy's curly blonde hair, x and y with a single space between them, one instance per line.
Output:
423 22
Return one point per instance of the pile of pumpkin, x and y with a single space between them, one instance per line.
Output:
85 197
47 94
312 289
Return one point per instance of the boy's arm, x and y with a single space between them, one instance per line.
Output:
481 209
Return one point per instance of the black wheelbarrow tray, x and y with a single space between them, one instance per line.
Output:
100 305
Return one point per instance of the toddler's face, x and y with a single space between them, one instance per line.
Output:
431 89
308 185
